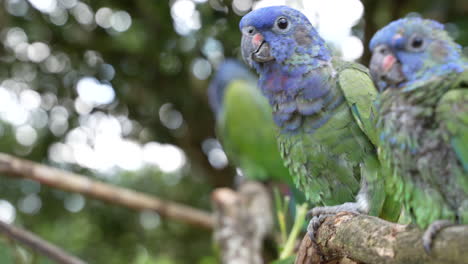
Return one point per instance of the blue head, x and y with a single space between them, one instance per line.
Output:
283 35
229 70
411 49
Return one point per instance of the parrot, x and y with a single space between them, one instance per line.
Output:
245 128
422 121
322 108
244 123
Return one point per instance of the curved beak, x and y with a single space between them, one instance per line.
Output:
255 49
385 68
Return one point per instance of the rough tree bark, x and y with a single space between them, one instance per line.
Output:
72 182
242 220
367 239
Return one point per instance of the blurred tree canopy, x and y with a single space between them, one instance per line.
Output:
117 90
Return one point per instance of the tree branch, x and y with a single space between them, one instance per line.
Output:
38 244
367 239
243 219
72 182
370 27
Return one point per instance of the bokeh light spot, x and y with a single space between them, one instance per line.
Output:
186 17
15 36
168 158
7 212
241 7
38 51
45 6
59 16
68 3
93 92
30 204
17 7
201 68
170 117
74 202
30 99
83 13
149 220
103 17
121 21
26 135
352 48
217 158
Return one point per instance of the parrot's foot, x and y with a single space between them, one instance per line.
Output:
319 214
432 231
314 225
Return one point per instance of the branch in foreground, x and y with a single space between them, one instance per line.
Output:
38 244
243 219
369 240
72 182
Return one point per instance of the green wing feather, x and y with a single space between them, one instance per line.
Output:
452 112
360 93
246 129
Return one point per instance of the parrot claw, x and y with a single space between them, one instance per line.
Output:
431 232
319 214
314 225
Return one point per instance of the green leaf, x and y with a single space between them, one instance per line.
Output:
289 260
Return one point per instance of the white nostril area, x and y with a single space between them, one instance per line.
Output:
250 30
382 50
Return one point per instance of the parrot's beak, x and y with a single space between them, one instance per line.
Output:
255 48
385 68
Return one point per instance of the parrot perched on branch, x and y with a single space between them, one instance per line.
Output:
423 120
322 107
244 124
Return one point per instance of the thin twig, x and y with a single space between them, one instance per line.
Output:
72 182
38 244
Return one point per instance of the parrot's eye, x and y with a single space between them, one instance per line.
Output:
416 43
282 24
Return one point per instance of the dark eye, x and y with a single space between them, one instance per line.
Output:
417 42
282 23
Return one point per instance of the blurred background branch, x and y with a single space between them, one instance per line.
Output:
243 220
72 182
38 244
